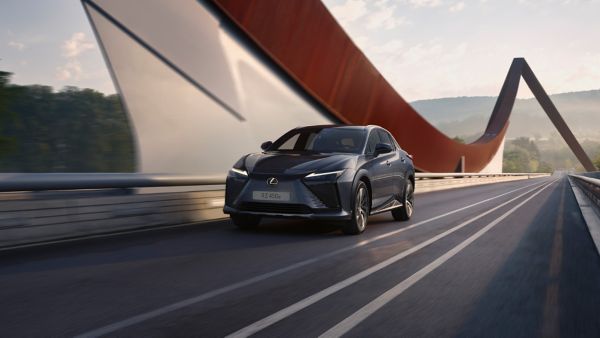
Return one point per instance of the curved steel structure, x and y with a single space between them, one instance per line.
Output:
304 39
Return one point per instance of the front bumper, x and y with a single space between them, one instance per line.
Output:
307 200
320 215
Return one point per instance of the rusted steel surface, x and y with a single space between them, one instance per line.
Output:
304 39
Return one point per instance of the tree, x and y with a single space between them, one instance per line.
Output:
73 130
597 162
545 168
516 161
6 94
523 155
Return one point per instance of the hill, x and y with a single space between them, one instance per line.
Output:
467 117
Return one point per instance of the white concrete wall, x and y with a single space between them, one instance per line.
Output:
495 165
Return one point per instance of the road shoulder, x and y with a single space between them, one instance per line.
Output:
589 212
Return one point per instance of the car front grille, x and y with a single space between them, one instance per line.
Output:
275 208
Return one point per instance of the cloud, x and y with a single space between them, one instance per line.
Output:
72 70
423 69
424 3
457 7
384 17
72 49
363 42
16 45
390 48
350 11
77 44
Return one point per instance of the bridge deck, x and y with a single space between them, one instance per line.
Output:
529 271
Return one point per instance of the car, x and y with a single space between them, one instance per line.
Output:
339 173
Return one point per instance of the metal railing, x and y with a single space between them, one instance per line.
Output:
589 185
81 181
77 181
420 176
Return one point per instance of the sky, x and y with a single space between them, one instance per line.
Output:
50 42
446 48
424 48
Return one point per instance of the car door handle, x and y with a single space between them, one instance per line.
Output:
388 163
402 159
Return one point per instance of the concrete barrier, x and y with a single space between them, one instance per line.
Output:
30 221
428 184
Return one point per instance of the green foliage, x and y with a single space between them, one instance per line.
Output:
73 130
523 156
545 168
516 161
597 162
6 93
546 155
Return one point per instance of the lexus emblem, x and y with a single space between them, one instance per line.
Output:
272 181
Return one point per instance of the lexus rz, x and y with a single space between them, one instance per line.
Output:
331 172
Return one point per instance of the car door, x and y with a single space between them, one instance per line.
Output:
397 165
394 166
378 170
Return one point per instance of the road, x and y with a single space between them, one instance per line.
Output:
510 259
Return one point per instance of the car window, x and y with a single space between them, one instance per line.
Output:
290 143
322 140
372 142
386 138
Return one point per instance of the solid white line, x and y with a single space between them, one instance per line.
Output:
363 313
211 294
290 310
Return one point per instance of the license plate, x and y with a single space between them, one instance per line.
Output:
270 195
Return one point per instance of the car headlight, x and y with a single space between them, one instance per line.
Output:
238 172
324 176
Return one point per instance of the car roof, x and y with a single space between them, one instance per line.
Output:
345 126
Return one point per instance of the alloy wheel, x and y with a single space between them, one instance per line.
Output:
409 198
361 207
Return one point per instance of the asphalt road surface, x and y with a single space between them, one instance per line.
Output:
510 259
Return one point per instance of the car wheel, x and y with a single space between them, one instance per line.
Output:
245 221
360 211
406 210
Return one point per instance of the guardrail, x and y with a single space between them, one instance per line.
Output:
81 181
589 185
77 181
40 208
419 176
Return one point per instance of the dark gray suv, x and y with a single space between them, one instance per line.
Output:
330 172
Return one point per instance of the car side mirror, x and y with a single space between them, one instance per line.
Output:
382 148
266 145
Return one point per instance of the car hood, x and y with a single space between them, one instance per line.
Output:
297 163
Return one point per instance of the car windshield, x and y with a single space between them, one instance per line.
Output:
322 140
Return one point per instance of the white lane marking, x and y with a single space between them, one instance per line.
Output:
363 313
304 303
211 294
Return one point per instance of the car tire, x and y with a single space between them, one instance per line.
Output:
245 221
404 213
360 211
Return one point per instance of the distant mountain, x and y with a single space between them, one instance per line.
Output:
467 116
